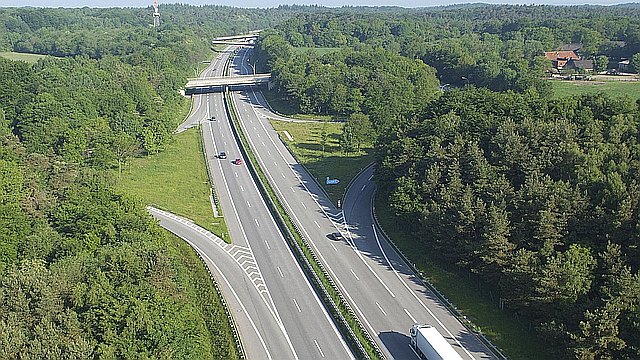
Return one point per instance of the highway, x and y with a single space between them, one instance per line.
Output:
385 294
278 314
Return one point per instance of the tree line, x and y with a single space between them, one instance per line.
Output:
537 197
498 47
84 270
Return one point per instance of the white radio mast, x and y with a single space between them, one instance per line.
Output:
156 14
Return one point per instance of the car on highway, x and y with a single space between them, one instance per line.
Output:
335 236
237 161
222 155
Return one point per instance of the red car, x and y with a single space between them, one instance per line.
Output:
237 161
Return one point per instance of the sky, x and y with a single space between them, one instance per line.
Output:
274 3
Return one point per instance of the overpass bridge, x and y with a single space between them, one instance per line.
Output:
250 36
221 83
231 42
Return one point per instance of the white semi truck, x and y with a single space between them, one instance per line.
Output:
429 344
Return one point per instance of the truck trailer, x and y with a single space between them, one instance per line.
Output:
427 342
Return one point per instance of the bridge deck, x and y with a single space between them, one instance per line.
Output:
209 82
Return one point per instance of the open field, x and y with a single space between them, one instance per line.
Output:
30 58
306 146
564 88
175 180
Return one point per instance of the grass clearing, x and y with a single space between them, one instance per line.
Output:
326 289
564 88
26 57
517 339
514 337
306 146
175 180
283 106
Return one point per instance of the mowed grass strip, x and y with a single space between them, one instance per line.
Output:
334 163
564 88
175 180
283 106
30 58
517 339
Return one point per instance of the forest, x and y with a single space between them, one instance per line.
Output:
536 196
84 270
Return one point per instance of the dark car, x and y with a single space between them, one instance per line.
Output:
237 161
335 236
222 155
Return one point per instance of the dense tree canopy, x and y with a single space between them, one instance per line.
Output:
540 197
84 271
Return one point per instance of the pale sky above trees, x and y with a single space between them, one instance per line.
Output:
275 3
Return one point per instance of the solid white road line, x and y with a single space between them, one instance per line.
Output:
326 314
411 317
344 289
272 309
235 295
415 296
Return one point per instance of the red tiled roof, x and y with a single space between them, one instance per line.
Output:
555 55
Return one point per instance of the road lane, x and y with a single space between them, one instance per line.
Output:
382 280
260 276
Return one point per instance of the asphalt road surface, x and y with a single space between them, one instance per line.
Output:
385 294
278 314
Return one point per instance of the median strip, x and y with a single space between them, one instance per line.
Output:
356 335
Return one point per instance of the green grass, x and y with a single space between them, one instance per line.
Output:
283 106
191 273
311 266
175 180
562 88
30 58
307 148
517 339
318 50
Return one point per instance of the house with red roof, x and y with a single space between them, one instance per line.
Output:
561 57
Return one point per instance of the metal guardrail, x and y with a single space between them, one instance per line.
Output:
451 307
230 320
300 253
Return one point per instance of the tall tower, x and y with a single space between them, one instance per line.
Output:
156 14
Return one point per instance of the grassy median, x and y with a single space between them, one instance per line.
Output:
175 180
516 338
333 162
